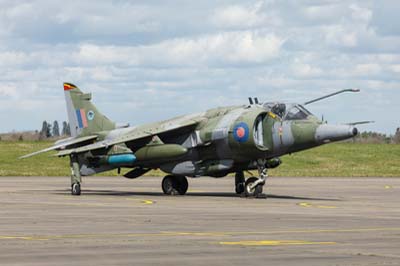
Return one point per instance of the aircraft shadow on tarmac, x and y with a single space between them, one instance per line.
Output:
189 194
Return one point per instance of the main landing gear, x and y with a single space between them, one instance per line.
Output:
174 185
253 186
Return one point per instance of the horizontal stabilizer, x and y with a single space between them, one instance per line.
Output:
61 145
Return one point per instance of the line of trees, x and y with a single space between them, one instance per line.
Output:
53 130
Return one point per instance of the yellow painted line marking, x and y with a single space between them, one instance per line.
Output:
144 201
204 234
308 205
23 237
275 243
197 233
388 187
148 202
195 191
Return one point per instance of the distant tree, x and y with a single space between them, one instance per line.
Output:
21 138
43 131
65 130
396 137
46 130
68 130
56 129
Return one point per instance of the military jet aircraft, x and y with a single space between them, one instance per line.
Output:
214 143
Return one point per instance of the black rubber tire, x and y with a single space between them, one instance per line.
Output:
182 184
239 188
255 191
76 189
174 185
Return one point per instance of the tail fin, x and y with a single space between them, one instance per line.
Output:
84 118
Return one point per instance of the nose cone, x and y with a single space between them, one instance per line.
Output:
328 133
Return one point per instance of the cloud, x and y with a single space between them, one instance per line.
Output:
239 16
173 58
223 48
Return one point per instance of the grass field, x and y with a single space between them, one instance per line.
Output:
342 159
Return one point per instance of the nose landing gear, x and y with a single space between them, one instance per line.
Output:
253 186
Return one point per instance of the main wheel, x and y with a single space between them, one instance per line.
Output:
239 188
76 189
252 192
174 185
239 182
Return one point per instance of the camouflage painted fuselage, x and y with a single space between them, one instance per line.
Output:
223 140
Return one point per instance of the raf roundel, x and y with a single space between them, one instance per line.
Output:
90 115
241 132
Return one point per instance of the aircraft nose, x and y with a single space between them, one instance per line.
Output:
329 133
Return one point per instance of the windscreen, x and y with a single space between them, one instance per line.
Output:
297 112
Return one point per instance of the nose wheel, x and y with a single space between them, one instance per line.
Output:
174 185
253 186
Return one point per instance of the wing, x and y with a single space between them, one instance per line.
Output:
63 144
139 133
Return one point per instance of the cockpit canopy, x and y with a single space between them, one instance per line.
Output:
288 111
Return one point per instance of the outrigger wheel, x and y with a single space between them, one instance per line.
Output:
76 189
174 185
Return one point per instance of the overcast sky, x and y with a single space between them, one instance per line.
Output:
150 60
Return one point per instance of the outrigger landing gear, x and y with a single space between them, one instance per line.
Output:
174 185
254 185
76 189
76 178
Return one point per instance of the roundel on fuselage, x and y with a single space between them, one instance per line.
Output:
241 132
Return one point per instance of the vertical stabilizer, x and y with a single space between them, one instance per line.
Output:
84 118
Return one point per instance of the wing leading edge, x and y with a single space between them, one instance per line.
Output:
62 144
136 134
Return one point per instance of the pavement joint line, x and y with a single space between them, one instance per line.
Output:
203 234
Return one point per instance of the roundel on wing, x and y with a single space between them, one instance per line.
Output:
241 132
90 115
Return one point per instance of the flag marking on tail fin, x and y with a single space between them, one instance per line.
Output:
68 86
81 115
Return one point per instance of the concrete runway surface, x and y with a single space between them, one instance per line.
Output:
116 221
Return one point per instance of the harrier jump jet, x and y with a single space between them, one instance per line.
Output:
214 143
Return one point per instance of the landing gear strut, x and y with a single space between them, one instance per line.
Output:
174 185
76 178
253 187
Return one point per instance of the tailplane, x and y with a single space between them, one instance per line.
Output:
84 118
